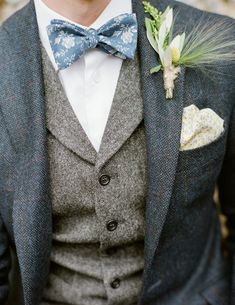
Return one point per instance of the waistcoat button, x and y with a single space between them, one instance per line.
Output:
112 225
115 283
104 180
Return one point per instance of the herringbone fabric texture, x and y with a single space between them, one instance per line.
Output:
183 259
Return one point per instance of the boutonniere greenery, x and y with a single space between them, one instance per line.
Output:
207 45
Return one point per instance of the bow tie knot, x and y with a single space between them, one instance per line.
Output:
69 41
92 38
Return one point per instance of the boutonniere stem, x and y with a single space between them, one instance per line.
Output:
207 45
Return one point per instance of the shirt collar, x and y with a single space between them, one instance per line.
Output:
45 15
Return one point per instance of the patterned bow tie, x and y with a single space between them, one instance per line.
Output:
69 41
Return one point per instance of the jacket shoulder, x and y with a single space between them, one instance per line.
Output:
15 33
16 19
15 27
189 14
192 14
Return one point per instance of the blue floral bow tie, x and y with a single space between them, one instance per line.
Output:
69 41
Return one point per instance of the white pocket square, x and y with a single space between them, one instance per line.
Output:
199 127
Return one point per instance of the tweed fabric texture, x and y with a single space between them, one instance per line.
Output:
81 270
184 262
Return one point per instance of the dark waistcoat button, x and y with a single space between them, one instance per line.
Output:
112 225
115 283
104 180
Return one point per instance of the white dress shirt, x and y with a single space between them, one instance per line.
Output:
90 82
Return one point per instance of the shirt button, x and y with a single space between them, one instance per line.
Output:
112 225
115 283
104 180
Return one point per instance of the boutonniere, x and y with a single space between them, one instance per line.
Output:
208 44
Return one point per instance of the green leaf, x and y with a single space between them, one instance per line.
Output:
163 16
148 24
153 11
155 69
150 34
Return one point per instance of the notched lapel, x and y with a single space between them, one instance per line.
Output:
163 119
126 112
60 117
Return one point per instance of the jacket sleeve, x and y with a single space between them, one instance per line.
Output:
227 199
5 169
5 264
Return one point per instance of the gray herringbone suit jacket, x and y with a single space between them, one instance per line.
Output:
183 259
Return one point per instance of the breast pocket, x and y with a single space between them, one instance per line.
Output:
198 169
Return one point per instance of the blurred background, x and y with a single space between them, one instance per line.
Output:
8 7
226 7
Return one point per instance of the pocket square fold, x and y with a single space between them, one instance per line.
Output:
199 127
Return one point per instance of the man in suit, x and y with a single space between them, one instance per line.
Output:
99 199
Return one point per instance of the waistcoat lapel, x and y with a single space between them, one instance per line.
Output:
126 112
23 111
60 118
163 127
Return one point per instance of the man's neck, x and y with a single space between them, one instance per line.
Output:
84 12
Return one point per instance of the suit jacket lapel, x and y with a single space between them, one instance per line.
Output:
163 126
23 111
60 117
126 112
